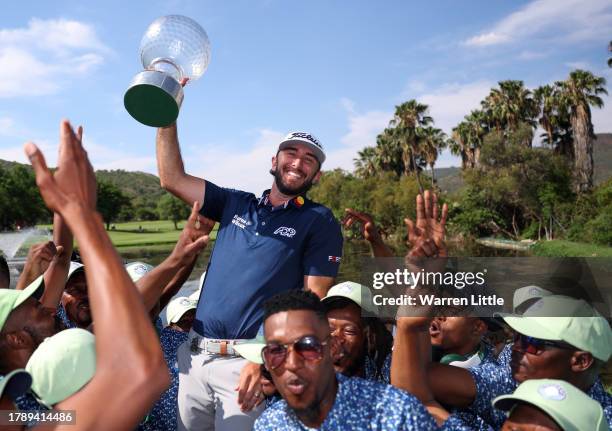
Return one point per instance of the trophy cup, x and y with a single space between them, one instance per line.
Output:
173 48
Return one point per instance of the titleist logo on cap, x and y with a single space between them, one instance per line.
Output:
308 137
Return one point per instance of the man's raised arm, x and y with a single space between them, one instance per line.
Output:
130 369
171 169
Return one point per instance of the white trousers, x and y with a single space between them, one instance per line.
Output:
207 399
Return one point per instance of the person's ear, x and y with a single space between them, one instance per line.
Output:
18 340
581 361
274 163
317 176
480 327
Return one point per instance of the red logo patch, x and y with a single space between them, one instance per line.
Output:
335 259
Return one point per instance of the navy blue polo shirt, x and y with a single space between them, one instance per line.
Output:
260 251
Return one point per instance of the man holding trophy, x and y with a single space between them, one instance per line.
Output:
265 245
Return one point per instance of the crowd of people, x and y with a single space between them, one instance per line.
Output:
271 340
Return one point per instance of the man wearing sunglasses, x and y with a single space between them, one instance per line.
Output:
572 349
298 353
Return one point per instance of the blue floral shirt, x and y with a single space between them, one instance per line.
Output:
371 373
495 378
163 414
61 313
360 405
27 402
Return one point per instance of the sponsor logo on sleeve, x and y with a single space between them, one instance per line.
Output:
289 232
335 259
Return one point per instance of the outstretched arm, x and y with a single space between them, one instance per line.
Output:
172 170
136 361
165 279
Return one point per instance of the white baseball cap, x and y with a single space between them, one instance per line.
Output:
137 270
307 139
179 306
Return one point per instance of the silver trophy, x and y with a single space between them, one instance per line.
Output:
173 48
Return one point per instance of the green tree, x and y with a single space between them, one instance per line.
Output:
509 105
20 201
579 92
408 117
433 142
111 202
172 208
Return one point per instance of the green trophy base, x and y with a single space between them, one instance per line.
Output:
154 98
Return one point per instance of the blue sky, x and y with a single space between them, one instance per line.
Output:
335 69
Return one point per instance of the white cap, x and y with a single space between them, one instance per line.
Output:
137 270
179 306
304 138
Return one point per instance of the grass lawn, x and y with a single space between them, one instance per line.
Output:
560 248
159 233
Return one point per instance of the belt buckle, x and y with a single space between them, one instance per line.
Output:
194 345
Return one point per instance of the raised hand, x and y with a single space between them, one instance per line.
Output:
366 222
430 223
74 182
194 236
38 260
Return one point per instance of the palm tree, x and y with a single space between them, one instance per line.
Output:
554 119
366 163
581 91
408 116
509 105
610 59
434 141
389 153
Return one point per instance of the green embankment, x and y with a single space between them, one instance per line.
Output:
151 234
560 248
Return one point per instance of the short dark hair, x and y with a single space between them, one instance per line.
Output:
4 269
295 299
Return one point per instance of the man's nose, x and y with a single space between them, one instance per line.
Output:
294 361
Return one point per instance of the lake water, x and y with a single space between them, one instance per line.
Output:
352 259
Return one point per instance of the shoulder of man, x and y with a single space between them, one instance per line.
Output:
376 391
274 417
322 213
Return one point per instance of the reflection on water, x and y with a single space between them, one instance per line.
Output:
353 253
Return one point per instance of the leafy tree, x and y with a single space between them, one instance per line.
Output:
172 208
408 117
111 202
20 201
579 92
433 142
610 59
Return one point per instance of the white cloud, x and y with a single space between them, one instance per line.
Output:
485 39
42 57
363 129
449 103
578 65
561 20
240 169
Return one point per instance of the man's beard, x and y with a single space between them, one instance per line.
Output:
285 189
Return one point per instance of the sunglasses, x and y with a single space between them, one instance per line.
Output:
309 348
535 346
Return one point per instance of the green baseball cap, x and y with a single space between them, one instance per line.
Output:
582 326
62 365
526 296
568 406
251 350
11 298
15 384
358 293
